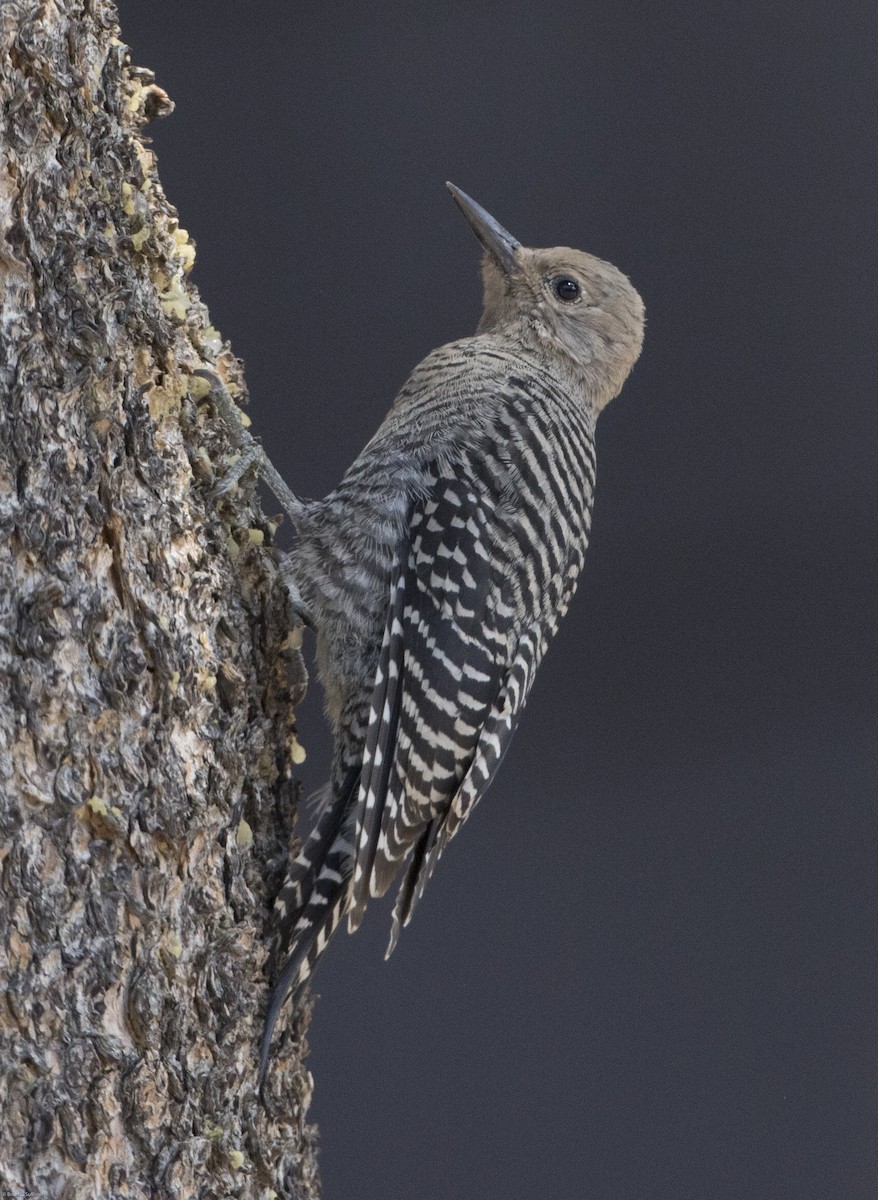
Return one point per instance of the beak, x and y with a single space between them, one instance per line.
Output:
491 234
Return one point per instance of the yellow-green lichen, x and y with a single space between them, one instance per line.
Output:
199 387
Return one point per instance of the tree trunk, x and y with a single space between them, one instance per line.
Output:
147 672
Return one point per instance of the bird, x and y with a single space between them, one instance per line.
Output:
436 574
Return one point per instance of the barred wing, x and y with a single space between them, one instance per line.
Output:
454 670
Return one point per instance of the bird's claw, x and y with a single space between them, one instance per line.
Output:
252 455
247 460
297 603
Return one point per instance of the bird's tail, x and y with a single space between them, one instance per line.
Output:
310 906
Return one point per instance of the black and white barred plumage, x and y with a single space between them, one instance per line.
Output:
436 574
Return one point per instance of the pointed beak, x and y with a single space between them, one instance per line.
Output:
491 234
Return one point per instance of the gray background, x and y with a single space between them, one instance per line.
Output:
647 969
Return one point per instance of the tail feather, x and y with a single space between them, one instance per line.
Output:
316 926
296 892
310 906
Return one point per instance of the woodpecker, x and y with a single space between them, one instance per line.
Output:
437 572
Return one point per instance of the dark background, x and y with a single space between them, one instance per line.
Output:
648 967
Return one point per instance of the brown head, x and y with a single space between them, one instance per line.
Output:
562 302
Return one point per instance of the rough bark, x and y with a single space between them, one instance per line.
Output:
147 672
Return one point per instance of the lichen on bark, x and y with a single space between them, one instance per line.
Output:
148 671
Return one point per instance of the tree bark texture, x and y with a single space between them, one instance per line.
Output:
148 672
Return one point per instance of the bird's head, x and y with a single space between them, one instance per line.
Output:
563 302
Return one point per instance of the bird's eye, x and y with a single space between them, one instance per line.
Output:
566 289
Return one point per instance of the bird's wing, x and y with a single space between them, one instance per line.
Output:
452 677
494 740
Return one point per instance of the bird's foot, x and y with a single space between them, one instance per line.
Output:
252 456
297 603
